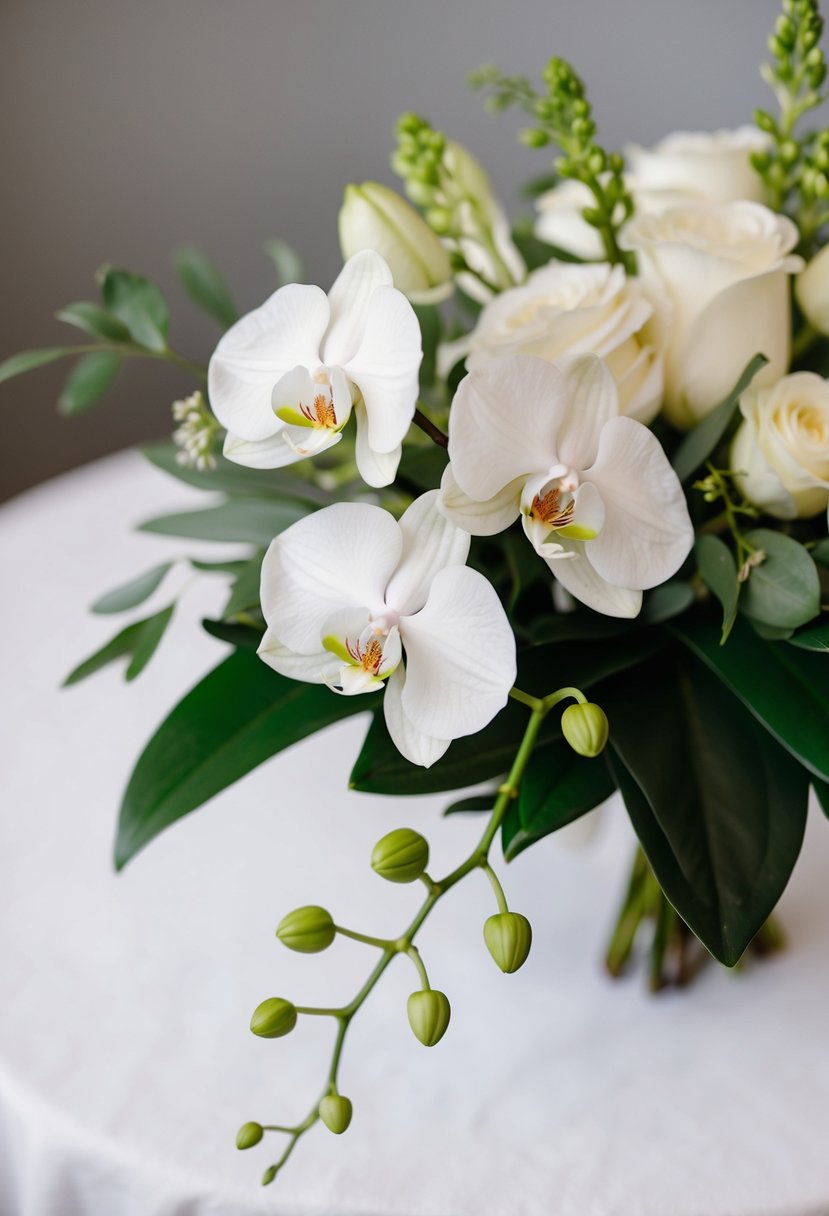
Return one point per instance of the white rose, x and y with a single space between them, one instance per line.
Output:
685 167
812 291
724 268
566 309
781 450
374 217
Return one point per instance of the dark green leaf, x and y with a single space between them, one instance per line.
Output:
770 633
812 639
667 601
784 590
475 803
820 552
245 591
380 769
234 719
719 808
139 304
821 789
234 567
88 381
133 593
95 321
558 787
253 520
784 688
204 285
243 637
428 316
700 442
28 360
286 260
421 466
229 478
718 571
140 638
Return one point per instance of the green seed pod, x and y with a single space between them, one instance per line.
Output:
336 1112
585 728
429 1014
401 856
307 930
508 937
273 1018
248 1135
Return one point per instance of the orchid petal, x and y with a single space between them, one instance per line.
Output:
460 656
255 352
314 668
351 681
430 543
479 518
413 744
647 532
376 468
503 423
582 581
385 367
271 453
342 556
592 400
588 514
349 300
543 539
304 442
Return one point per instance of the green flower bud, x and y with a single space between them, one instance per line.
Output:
429 1014
307 930
585 728
336 1112
248 1135
401 856
273 1018
269 1175
534 137
508 937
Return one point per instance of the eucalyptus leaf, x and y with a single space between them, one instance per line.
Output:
89 379
229 478
286 260
133 593
784 589
138 641
558 788
665 602
238 716
812 639
720 809
95 321
244 594
783 687
718 571
247 520
700 442
205 285
139 304
820 552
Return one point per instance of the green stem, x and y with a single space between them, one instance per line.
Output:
414 955
804 341
428 427
383 943
496 886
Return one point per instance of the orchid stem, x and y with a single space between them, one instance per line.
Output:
428 427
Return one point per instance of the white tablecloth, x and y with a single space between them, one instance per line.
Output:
126 1064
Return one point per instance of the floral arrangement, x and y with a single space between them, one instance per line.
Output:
492 471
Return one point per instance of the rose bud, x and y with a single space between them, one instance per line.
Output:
307 930
508 937
429 1014
401 856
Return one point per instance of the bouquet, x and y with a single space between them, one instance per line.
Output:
550 502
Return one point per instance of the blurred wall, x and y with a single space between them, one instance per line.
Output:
129 126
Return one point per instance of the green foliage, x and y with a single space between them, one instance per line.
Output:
253 520
702 439
205 285
812 639
244 594
718 571
720 809
89 379
234 719
28 360
229 478
138 642
783 590
139 304
133 593
95 321
286 260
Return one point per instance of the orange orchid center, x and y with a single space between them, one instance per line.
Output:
549 509
320 413
370 658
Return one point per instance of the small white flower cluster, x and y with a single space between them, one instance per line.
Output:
195 433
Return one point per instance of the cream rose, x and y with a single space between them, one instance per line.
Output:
685 167
781 451
812 291
724 268
566 309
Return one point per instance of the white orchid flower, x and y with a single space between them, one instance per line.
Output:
596 494
356 600
285 379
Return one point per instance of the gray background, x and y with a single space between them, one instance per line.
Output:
130 126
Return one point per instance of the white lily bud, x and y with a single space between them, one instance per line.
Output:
374 217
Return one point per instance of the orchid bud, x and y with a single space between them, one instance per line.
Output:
585 728
248 1135
335 1112
429 1014
273 1018
508 937
374 217
401 856
307 930
269 1175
